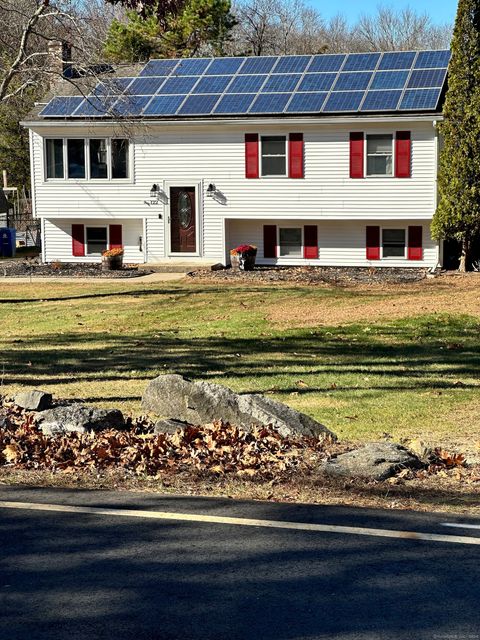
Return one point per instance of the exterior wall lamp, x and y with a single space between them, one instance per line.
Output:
211 190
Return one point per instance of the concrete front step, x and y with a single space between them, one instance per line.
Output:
176 267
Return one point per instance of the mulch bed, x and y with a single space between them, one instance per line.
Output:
35 269
339 276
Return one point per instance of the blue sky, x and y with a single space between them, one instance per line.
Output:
440 10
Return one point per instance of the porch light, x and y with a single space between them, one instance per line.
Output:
211 190
155 192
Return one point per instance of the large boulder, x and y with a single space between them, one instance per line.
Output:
34 400
176 397
78 417
374 461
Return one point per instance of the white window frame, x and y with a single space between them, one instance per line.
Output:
379 175
268 175
85 240
302 241
405 252
109 179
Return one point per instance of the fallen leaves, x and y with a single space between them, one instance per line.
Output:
217 448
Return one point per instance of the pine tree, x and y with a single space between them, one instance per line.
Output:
458 211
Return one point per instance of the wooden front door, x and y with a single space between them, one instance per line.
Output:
182 220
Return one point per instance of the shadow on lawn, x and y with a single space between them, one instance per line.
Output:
411 361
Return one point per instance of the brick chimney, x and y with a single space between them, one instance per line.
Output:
60 56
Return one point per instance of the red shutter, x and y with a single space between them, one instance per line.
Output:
415 244
310 242
403 155
251 155
295 155
78 240
269 241
356 155
373 243
116 236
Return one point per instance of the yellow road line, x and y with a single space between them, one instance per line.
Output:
243 522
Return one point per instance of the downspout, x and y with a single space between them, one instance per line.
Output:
435 194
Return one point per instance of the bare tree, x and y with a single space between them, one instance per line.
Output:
391 30
28 61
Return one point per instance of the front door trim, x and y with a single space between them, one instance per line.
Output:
198 218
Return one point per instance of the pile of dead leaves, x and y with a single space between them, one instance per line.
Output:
216 448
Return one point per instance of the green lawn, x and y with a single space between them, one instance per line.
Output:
103 341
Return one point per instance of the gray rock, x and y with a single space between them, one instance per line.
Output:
34 400
374 461
3 422
173 396
217 267
169 426
78 417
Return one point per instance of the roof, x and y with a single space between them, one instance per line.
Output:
396 82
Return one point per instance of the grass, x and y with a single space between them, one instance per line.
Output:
413 376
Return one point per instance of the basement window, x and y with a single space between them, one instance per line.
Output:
290 242
393 243
96 240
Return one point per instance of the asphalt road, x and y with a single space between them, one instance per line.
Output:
108 575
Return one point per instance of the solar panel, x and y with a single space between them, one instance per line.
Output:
392 60
212 84
307 102
326 63
235 103
192 66
292 64
352 81
281 83
62 106
427 78
158 68
179 84
111 86
432 60
270 103
389 80
146 86
258 65
344 101
164 106
224 66
317 82
420 99
381 100
361 62
96 106
198 105
246 84
395 80
131 105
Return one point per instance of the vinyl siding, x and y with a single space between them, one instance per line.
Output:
340 243
58 240
195 156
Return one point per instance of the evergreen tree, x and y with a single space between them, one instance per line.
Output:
458 211
174 29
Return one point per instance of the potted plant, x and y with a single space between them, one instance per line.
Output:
112 260
243 257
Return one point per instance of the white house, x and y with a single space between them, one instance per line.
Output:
316 160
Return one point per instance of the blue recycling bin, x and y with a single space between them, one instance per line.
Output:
7 242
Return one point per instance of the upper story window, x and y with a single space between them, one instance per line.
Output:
274 156
379 155
92 159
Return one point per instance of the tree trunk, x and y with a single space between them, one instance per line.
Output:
465 255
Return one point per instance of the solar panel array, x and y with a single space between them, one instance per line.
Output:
268 85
